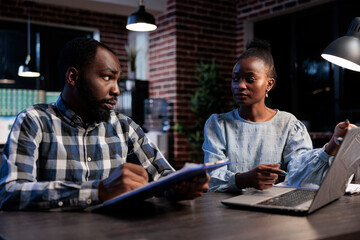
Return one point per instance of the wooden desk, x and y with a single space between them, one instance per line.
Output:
203 218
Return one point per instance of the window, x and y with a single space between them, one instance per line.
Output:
308 86
139 42
46 43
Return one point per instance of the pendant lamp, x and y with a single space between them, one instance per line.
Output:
28 69
345 51
141 21
5 76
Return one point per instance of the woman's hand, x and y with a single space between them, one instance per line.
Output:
340 130
262 177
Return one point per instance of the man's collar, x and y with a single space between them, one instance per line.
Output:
69 114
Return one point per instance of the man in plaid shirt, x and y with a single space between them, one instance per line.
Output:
78 152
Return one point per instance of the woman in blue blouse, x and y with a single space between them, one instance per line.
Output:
260 139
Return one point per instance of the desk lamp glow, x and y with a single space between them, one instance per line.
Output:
141 21
345 51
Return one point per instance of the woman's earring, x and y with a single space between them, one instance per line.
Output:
266 94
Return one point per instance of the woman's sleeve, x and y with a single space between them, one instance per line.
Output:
306 166
214 147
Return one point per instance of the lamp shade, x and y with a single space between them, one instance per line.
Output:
28 70
6 77
345 51
141 21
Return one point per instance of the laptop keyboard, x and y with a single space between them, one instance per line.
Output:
290 199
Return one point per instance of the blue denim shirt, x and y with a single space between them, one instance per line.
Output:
249 144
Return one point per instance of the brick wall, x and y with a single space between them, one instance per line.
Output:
112 27
188 32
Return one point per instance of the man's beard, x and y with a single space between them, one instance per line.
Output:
93 107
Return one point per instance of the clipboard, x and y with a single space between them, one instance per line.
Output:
153 188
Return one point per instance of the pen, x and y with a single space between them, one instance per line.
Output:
283 172
212 163
339 139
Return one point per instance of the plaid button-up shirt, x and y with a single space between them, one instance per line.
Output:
53 160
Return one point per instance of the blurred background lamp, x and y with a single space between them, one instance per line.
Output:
345 51
141 21
28 70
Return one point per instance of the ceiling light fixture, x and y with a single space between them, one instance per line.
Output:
141 21
28 70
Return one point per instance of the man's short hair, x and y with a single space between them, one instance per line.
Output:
78 53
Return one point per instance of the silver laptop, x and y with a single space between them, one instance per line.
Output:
289 200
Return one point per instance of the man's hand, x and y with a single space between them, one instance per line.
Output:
262 177
190 189
126 177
